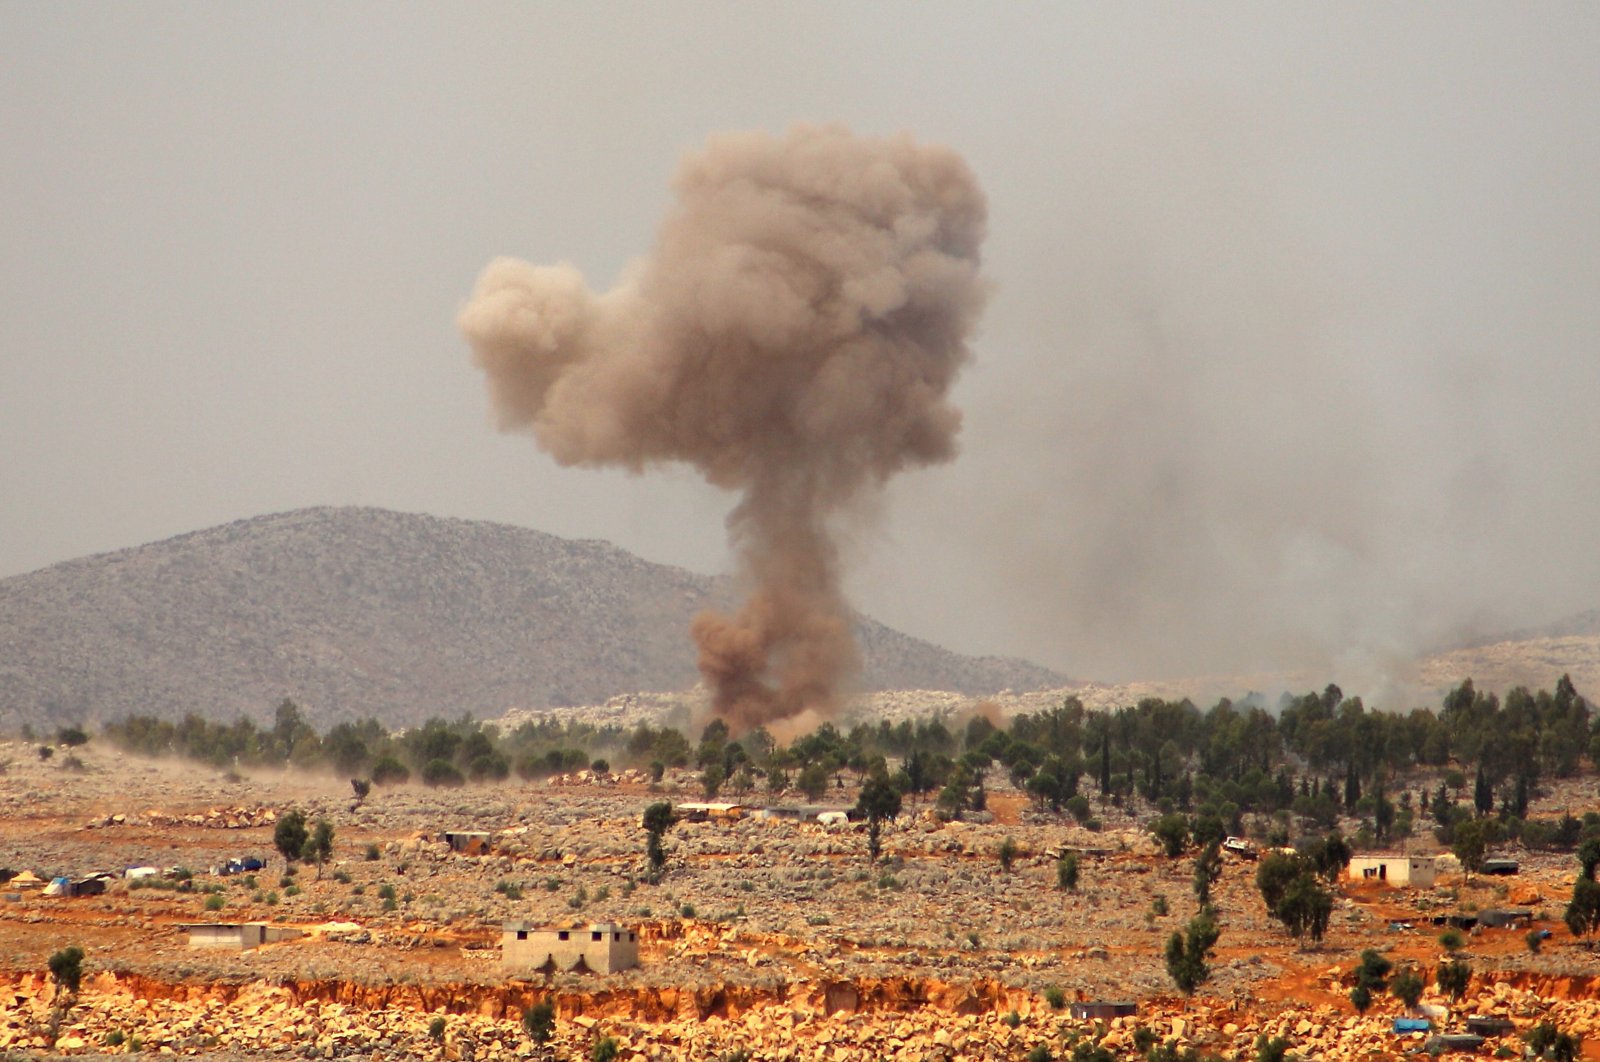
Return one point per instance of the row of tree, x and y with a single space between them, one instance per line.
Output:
1319 756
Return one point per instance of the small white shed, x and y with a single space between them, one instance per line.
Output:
1397 870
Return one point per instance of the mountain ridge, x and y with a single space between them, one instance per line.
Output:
356 611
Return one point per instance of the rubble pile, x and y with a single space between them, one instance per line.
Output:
825 1022
631 776
224 818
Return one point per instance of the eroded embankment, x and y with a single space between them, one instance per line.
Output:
819 1020
654 1003
643 1003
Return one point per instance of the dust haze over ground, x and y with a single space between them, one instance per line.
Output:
793 336
1247 451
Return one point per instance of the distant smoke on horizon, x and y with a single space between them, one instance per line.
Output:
1244 446
793 336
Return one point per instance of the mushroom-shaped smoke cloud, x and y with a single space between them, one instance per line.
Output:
794 336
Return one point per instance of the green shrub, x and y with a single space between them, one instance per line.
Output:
390 771
1067 872
1407 987
373 855
436 1029
1546 1041
540 1022
440 774
1090 1051
1187 953
1271 1048
605 1050
1055 997
215 902
66 967
1453 978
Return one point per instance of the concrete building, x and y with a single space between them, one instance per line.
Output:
238 936
1396 870
601 947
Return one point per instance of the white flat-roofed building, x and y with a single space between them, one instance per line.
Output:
599 947
1396 870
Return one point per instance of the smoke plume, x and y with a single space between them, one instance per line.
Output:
793 336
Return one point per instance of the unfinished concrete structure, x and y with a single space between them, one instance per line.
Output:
600 947
238 936
1397 870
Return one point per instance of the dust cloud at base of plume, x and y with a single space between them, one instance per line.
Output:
793 335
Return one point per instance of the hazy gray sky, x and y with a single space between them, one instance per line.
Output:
1291 357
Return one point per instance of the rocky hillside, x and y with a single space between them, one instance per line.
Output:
1536 662
357 612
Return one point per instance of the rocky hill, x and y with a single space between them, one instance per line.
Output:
356 612
1536 661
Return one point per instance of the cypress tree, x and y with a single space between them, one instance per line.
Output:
1105 763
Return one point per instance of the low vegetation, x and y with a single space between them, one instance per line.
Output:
1318 772
1316 758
